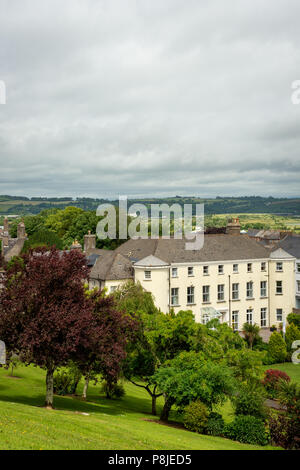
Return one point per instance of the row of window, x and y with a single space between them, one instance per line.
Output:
235 269
221 292
249 317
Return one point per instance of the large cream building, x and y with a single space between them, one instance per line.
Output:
232 277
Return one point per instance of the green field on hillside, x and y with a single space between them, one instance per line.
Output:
98 423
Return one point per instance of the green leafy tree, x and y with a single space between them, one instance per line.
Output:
189 377
251 333
246 365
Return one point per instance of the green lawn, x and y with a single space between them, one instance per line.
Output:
109 424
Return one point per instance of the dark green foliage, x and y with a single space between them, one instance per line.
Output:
294 318
247 429
112 390
196 417
246 365
65 381
249 400
43 237
189 377
292 334
215 424
277 348
285 426
285 431
251 334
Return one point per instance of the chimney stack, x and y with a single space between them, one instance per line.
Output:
76 246
89 242
233 227
21 230
6 226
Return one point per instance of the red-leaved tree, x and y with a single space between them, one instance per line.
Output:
44 312
106 349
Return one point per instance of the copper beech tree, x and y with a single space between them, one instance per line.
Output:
46 315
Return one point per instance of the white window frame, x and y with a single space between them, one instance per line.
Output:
263 266
279 315
221 292
205 270
249 290
279 267
235 268
174 296
190 294
263 290
263 317
174 272
279 288
190 271
249 316
298 268
235 320
147 275
205 294
298 287
235 291
221 269
249 267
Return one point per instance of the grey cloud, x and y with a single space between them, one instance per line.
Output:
118 96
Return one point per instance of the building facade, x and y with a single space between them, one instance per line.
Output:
232 277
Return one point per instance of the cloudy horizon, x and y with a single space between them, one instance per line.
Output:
149 98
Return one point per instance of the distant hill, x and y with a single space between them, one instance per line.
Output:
220 205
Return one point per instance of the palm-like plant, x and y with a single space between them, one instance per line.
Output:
251 333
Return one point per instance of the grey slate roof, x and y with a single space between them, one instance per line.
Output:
266 234
219 247
291 244
111 265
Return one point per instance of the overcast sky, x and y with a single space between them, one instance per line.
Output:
149 97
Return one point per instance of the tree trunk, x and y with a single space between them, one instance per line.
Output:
164 416
75 387
154 405
85 387
49 388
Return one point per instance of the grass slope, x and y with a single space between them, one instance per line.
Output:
110 424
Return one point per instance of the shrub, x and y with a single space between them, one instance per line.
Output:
294 318
247 429
292 334
285 431
62 383
272 380
249 401
215 424
65 381
112 390
196 417
277 347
